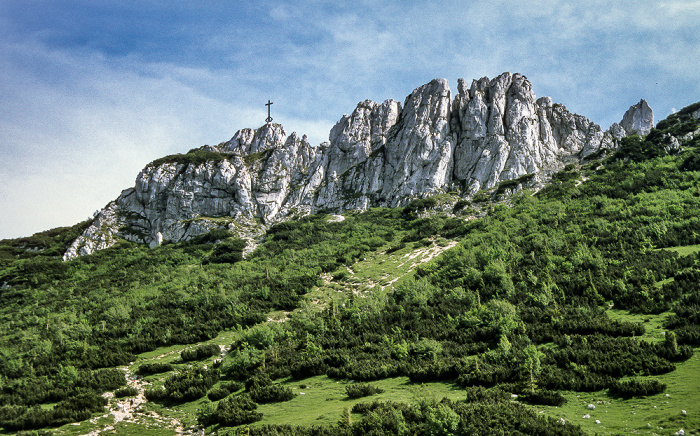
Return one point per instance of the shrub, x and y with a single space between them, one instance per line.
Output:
35 433
200 352
154 368
544 397
126 392
185 386
340 275
637 388
420 205
459 205
228 251
233 386
217 394
77 408
637 149
208 238
271 394
193 157
230 412
110 378
691 163
258 381
357 390
397 247
155 394
481 197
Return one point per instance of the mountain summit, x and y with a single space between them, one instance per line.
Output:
383 154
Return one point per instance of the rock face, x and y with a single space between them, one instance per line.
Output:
639 119
380 155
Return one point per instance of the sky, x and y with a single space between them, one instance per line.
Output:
93 90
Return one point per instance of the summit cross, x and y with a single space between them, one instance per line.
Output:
269 118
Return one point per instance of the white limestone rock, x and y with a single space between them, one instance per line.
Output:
503 132
417 159
639 119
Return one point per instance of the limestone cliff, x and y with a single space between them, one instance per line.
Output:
380 155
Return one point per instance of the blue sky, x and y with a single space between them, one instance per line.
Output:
91 91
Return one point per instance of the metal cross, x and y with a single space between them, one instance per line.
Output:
269 118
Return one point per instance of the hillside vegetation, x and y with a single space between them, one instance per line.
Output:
588 289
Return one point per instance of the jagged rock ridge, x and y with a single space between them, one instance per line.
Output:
380 155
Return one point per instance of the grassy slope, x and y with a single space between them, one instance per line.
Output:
658 414
324 399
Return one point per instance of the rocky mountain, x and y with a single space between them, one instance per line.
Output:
386 154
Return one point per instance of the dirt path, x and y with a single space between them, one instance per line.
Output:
131 410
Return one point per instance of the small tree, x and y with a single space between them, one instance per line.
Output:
531 365
442 420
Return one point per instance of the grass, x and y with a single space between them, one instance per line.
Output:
121 428
128 429
323 400
685 250
658 414
84 427
376 273
653 324
185 413
171 354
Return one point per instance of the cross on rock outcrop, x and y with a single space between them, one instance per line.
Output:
269 118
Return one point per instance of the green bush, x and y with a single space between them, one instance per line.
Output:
637 388
228 251
357 390
153 368
77 408
200 352
193 157
217 394
271 394
691 163
126 392
544 397
185 386
419 205
396 247
231 411
459 205
233 386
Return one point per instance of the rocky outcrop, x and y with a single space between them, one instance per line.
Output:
639 119
380 155
503 132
